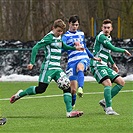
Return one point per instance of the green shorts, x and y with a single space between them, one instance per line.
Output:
47 75
101 73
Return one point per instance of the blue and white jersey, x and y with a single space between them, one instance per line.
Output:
75 56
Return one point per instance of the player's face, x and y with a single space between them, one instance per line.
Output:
107 28
57 31
73 26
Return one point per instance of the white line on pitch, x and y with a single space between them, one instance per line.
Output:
36 97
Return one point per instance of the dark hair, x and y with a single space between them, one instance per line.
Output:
107 21
74 18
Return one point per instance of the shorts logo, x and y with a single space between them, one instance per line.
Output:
103 71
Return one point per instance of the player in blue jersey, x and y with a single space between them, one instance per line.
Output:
78 61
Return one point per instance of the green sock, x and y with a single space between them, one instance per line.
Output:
107 96
115 90
68 101
29 91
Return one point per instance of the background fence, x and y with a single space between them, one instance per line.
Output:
15 55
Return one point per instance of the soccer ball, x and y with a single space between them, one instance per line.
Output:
63 83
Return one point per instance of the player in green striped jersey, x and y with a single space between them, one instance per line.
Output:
100 70
51 69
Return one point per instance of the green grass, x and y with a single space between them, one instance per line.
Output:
48 114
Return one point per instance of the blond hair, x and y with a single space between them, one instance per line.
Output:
59 23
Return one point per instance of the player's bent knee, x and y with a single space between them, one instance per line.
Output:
41 88
123 83
120 81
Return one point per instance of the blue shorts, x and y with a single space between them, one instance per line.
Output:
71 70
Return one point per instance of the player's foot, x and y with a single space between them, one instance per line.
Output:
74 114
15 97
80 92
2 121
103 104
110 111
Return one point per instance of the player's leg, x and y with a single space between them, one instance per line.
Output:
101 75
71 73
68 102
62 80
119 85
73 84
108 98
108 82
32 90
81 66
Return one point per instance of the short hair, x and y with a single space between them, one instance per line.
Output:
74 18
59 23
107 21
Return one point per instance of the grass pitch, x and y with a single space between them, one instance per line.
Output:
46 113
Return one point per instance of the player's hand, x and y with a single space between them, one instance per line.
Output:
77 44
80 48
97 59
29 66
129 54
115 68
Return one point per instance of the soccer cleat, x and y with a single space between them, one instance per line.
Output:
80 92
110 111
15 97
2 121
74 114
103 104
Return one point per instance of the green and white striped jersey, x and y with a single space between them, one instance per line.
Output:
102 49
52 49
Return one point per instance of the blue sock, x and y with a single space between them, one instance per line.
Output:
80 79
73 99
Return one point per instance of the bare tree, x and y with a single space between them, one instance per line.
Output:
32 19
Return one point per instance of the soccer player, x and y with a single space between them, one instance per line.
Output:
102 73
78 61
51 69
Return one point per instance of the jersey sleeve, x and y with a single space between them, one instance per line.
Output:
67 47
89 53
106 43
87 50
64 40
44 42
110 59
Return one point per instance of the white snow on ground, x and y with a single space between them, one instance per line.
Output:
15 77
